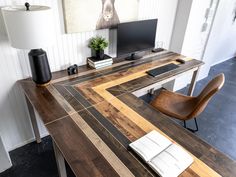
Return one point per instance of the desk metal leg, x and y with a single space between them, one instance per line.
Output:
193 82
33 120
60 161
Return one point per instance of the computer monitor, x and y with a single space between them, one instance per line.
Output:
134 37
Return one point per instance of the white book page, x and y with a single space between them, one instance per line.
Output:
171 162
150 145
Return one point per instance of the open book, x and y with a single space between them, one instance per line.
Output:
164 157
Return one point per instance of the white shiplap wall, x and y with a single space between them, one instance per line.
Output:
15 127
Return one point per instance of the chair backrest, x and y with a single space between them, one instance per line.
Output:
207 93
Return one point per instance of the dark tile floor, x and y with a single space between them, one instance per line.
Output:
34 160
217 126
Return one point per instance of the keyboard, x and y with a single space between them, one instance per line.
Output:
163 69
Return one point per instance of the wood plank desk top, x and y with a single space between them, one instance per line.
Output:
93 116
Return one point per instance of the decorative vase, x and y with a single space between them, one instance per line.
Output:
98 54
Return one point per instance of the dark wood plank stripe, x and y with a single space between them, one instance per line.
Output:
137 84
83 166
96 76
81 79
78 96
109 126
116 144
225 165
69 97
205 152
116 90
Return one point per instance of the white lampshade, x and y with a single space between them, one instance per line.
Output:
32 29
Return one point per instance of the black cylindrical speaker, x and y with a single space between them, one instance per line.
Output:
41 73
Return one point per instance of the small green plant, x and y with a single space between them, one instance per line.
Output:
98 43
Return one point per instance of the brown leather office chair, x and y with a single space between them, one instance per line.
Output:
187 107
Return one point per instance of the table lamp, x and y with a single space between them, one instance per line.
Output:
31 27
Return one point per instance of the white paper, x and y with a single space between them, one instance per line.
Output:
150 145
171 162
164 157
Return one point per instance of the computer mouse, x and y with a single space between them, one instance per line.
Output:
182 61
157 50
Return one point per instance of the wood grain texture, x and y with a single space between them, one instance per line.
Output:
82 125
199 167
44 103
116 141
75 103
120 120
104 116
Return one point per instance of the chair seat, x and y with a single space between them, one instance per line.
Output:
175 105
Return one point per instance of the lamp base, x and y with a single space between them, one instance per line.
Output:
43 85
41 73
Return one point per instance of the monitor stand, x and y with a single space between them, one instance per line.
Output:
134 56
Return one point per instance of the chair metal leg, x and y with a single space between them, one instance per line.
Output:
151 91
192 130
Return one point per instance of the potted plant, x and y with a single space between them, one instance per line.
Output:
98 44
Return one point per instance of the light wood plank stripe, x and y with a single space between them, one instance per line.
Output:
107 153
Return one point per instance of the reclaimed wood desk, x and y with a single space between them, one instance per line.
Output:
93 116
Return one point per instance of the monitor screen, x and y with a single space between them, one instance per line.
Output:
136 36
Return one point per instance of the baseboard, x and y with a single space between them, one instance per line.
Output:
26 142
4 169
5 159
218 62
